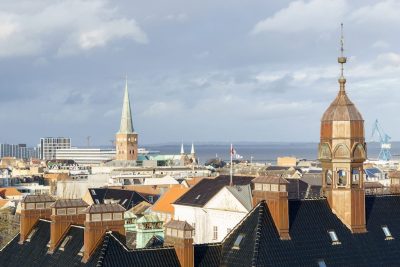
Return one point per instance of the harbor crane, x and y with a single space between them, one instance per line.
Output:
384 154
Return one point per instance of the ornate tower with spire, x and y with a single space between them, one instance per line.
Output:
342 152
126 138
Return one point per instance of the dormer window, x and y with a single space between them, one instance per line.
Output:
238 240
334 237
387 233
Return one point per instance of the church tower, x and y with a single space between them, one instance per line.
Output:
342 152
126 138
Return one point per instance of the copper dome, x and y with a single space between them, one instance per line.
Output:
342 109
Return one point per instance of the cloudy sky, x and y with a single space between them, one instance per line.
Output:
197 70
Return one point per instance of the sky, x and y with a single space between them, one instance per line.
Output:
197 70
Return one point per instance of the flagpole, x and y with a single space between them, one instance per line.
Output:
231 172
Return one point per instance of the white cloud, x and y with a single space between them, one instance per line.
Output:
315 15
378 13
67 26
381 44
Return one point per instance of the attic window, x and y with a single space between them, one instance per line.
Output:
334 237
64 243
238 240
387 233
321 263
198 196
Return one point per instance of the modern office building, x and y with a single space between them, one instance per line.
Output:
49 146
85 156
20 151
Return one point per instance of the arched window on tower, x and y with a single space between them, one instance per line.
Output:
328 177
342 178
355 176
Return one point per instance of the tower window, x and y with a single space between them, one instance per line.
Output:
341 177
387 233
334 237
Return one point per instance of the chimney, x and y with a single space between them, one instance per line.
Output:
33 208
64 213
101 218
179 234
273 189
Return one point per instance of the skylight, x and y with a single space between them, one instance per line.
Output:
321 263
64 243
238 240
334 237
387 233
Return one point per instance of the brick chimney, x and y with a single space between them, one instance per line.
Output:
33 208
65 212
101 218
179 234
273 189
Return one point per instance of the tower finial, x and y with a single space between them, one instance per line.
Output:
342 60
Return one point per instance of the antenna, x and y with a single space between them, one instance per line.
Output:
88 140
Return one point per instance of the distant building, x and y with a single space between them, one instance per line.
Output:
286 161
20 151
126 138
85 156
49 146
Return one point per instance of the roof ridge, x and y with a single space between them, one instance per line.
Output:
258 234
103 250
241 221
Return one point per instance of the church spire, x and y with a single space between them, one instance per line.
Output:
342 60
192 150
126 117
182 149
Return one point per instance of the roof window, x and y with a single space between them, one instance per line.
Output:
31 235
238 240
65 242
334 237
93 192
387 233
321 263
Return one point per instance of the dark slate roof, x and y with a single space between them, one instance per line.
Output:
34 253
114 253
297 189
206 189
207 255
310 221
126 198
277 168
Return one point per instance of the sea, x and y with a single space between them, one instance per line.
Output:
260 151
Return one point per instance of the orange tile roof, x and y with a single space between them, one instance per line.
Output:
9 191
164 202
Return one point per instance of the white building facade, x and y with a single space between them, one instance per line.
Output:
219 215
49 146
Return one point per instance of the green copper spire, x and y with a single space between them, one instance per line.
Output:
126 117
